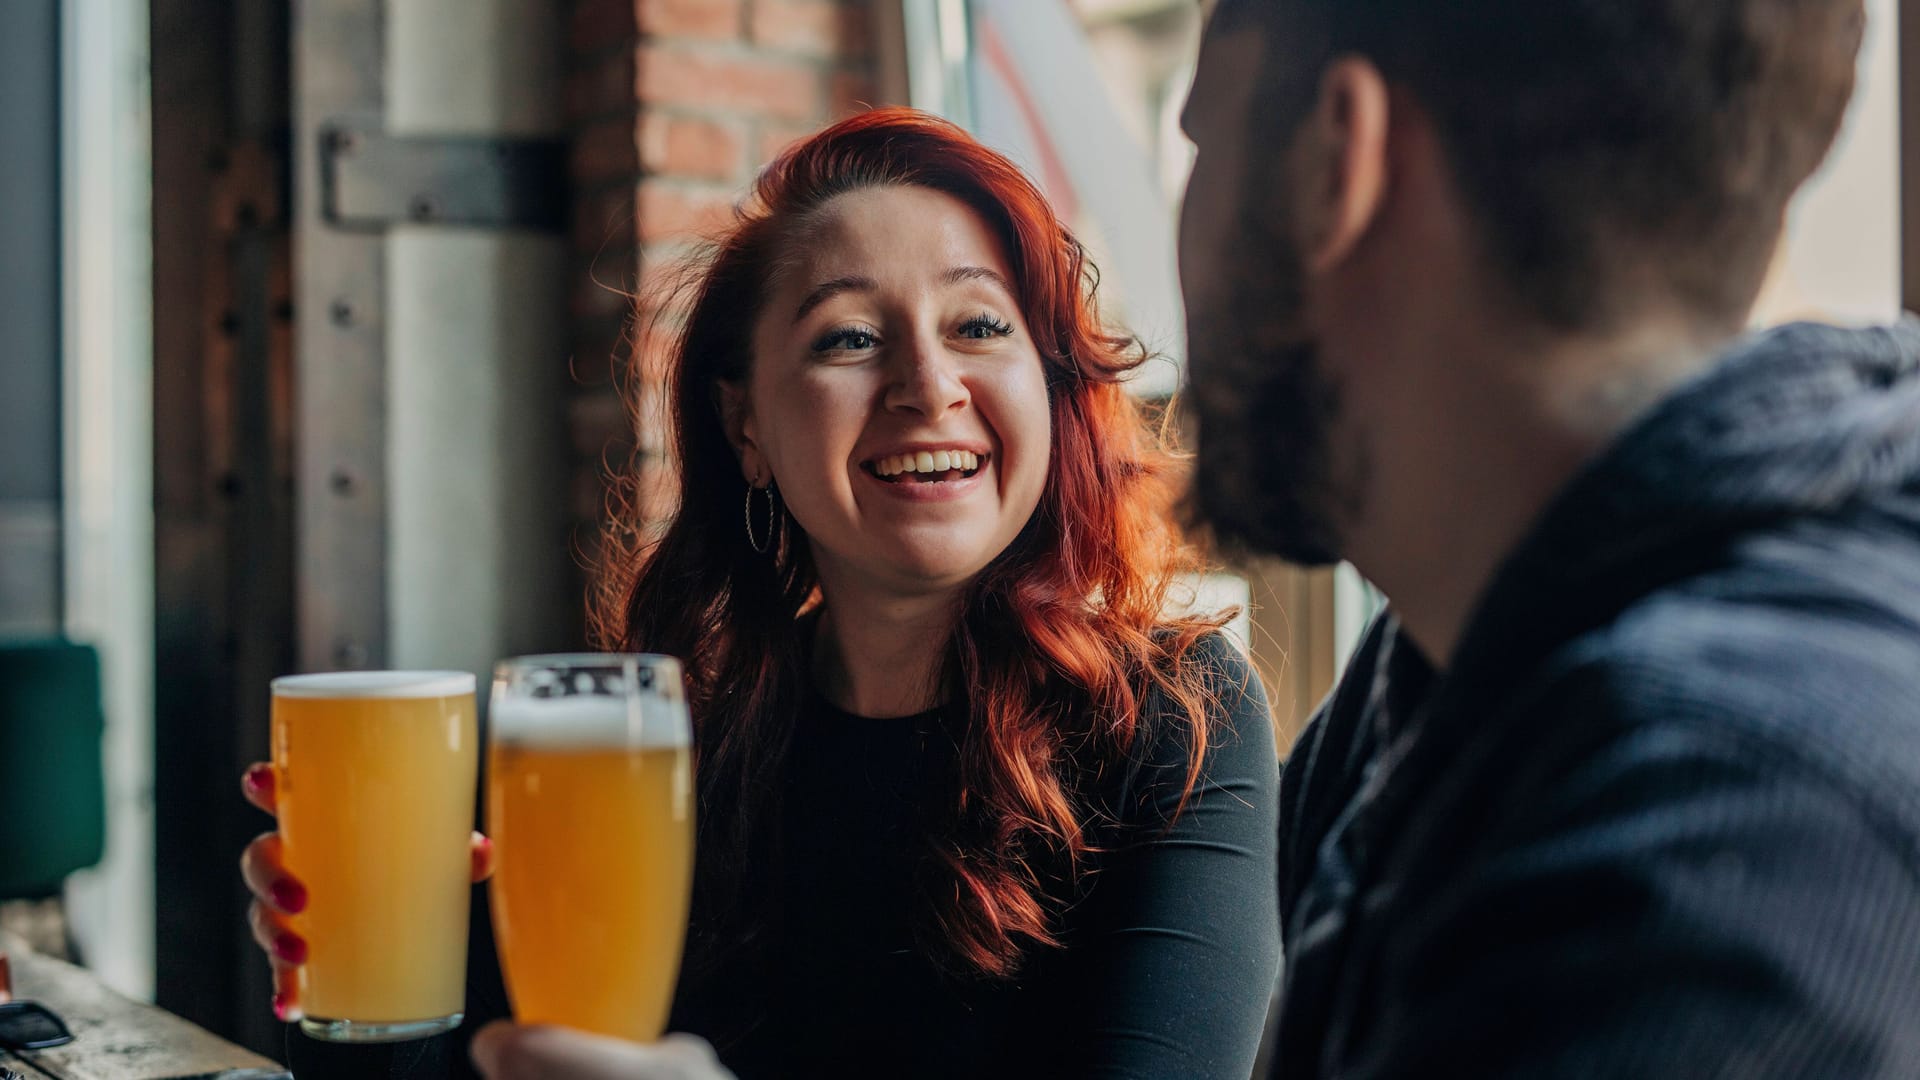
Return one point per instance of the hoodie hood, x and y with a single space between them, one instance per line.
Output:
1801 421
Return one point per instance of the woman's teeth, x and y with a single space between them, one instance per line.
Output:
935 461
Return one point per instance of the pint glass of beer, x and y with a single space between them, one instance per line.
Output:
375 782
590 806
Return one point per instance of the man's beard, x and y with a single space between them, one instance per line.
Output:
1266 481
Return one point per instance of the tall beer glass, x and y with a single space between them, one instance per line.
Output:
590 806
375 775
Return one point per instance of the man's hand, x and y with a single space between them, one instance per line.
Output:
504 1051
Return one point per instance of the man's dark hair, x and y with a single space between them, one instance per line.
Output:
1613 149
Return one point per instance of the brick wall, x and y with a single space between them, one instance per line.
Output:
672 106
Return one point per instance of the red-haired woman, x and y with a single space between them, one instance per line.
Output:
970 802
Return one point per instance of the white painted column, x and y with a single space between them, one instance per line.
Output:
476 357
107 454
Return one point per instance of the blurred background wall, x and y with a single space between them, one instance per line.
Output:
1841 259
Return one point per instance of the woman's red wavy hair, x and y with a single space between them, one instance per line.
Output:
1059 641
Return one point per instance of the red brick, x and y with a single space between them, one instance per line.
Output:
667 209
673 103
602 86
852 92
593 25
605 150
789 90
597 24
691 147
817 28
706 20
776 138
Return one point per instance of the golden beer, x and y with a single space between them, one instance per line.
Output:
375 777
590 806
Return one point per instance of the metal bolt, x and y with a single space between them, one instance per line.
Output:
341 312
423 208
342 141
350 654
341 481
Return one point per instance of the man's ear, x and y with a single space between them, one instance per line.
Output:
1341 162
736 417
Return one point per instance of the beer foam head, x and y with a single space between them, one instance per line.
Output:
375 684
644 721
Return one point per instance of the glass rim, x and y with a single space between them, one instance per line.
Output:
354 685
585 660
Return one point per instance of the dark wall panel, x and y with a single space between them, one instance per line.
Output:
223 497
29 317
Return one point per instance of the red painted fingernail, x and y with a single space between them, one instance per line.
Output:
482 855
290 947
260 777
289 896
282 1009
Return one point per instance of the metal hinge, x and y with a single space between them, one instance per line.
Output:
371 180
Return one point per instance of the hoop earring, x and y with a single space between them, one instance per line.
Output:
760 546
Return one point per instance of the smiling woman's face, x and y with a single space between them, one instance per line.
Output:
896 398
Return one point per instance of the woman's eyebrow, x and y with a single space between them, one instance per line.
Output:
957 275
827 290
960 274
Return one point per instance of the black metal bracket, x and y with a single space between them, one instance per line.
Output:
371 179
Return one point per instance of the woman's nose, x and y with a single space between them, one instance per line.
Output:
925 380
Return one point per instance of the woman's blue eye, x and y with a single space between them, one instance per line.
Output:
846 339
982 327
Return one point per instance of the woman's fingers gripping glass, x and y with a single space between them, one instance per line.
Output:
278 895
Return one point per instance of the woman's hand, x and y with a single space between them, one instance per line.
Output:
277 895
505 1051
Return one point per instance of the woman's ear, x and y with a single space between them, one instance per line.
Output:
736 416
